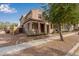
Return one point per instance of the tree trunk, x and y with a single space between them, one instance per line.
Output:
74 27
60 32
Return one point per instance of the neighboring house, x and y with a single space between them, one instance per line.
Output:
68 27
34 24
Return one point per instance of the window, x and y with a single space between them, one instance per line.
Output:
39 16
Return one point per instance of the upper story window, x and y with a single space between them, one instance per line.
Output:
39 16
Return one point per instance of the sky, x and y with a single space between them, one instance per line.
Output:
11 12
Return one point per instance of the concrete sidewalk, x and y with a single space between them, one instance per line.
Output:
18 47
72 51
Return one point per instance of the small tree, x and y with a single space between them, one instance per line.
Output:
59 14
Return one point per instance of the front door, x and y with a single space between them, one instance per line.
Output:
42 28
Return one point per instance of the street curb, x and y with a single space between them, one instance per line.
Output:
71 52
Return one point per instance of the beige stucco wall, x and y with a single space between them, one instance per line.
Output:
28 30
25 27
25 18
35 14
50 29
28 16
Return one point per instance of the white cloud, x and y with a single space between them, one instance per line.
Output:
7 9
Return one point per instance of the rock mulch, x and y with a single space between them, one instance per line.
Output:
53 48
20 38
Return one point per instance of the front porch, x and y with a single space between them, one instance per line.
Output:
38 28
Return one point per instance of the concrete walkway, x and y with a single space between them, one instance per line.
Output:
2 32
18 47
72 51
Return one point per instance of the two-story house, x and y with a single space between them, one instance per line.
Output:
33 23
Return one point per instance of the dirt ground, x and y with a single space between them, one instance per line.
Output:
53 48
8 39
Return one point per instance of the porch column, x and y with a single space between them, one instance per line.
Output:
39 28
45 26
49 28
30 26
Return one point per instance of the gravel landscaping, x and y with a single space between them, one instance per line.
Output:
53 48
20 38
76 53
